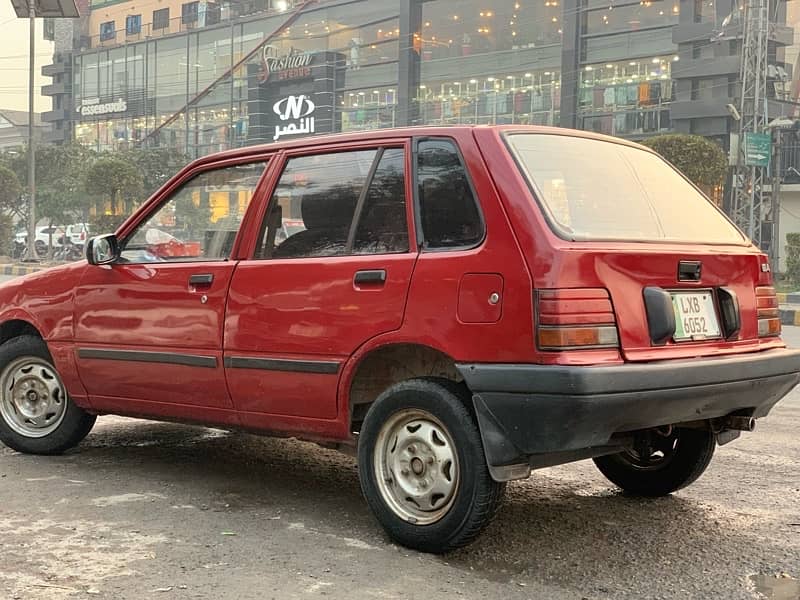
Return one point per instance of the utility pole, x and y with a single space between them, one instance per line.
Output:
30 253
752 164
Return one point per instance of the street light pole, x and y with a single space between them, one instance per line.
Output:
30 254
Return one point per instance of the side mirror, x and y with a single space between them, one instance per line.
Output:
102 250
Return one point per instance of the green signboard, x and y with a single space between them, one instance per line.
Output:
757 149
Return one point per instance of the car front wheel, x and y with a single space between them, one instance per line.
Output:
37 415
422 466
662 463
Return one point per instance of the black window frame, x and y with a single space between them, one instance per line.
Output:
379 149
105 33
420 233
169 192
190 12
137 19
158 22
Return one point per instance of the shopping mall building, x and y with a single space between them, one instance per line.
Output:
126 73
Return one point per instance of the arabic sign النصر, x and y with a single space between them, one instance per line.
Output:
757 149
299 111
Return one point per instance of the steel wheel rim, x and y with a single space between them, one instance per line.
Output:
416 467
33 400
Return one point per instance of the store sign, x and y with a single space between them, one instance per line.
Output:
295 65
298 114
93 107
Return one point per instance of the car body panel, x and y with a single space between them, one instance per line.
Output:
300 328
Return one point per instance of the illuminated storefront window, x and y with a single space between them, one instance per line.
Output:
627 97
520 98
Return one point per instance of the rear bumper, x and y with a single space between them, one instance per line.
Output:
525 410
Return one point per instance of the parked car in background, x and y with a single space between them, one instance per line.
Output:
459 305
46 235
78 233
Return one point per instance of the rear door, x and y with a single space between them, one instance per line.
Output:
306 302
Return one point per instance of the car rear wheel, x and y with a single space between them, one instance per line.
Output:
662 463
37 415
422 466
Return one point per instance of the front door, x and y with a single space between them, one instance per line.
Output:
148 328
306 302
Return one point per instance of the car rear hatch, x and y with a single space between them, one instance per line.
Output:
634 236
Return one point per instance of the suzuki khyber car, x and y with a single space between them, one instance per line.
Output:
461 305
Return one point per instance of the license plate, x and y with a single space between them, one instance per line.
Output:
695 316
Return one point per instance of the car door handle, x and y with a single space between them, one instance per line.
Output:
377 276
201 279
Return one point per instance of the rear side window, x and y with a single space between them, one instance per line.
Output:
597 190
448 211
338 204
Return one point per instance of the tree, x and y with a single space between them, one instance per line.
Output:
10 192
115 185
703 161
156 165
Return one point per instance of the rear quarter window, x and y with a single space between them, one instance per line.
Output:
600 190
448 209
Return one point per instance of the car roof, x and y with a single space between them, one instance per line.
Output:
394 133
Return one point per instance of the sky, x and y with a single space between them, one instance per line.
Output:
14 61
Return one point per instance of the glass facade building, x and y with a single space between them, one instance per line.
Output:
629 68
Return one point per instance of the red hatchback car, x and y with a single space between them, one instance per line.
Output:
461 304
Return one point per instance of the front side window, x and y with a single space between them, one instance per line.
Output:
448 211
598 190
200 221
338 204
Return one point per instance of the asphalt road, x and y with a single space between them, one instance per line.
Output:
151 510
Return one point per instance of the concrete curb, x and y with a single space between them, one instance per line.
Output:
789 298
20 269
790 315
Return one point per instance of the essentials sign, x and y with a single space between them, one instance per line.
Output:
93 107
297 112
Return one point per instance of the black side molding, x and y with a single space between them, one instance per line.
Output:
189 360
323 367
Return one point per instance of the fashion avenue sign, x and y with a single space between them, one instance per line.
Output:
295 65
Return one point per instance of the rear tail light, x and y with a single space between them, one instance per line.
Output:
83 235
769 319
575 319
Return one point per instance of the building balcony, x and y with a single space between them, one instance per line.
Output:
703 32
57 68
54 89
55 115
706 67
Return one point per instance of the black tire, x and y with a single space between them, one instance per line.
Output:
687 454
476 495
72 428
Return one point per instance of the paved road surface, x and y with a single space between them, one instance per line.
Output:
151 510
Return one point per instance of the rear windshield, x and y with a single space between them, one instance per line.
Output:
598 190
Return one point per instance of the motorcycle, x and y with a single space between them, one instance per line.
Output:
68 252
